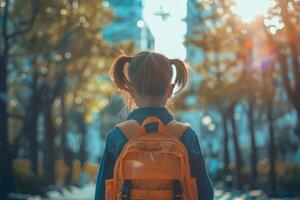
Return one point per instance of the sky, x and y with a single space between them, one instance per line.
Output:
169 34
248 9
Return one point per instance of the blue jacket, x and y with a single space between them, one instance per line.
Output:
116 141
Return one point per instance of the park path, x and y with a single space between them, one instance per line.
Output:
87 193
84 193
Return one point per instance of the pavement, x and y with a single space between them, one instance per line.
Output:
84 193
87 193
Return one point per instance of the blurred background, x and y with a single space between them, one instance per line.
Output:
57 102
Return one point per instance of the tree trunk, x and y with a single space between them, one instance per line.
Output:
272 149
83 131
6 171
269 93
31 119
30 129
225 140
7 183
33 143
253 146
293 41
297 129
68 157
68 154
238 157
49 154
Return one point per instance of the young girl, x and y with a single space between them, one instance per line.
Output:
146 77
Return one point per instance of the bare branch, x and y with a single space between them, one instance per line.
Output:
284 70
29 23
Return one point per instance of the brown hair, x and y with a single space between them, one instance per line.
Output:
148 73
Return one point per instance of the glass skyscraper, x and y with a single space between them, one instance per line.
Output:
128 24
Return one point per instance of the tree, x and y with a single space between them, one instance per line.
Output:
286 41
268 75
250 89
68 44
220 40
14 24
64 56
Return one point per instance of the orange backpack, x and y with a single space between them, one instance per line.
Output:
152 166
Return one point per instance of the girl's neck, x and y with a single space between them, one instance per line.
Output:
150 102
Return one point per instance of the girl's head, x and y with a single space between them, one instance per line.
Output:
147 77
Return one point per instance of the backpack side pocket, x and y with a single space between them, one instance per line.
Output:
194 190
109 189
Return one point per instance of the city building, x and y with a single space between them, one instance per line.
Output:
128 24
194 23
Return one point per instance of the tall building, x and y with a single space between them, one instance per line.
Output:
128 24
194 23
194 55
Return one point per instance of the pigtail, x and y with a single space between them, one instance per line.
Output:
181 73
117 73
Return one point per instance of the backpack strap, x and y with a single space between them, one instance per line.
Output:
129 128
177 129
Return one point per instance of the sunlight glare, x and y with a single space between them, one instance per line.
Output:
249 9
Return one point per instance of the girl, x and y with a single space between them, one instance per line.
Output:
146 77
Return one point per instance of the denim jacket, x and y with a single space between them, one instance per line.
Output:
116 141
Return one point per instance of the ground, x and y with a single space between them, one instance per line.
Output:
87 193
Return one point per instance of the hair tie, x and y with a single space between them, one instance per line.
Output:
128 59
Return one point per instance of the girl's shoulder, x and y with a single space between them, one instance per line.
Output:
189 134
115 141
191 141
114 134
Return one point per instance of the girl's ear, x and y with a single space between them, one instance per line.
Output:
169 90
